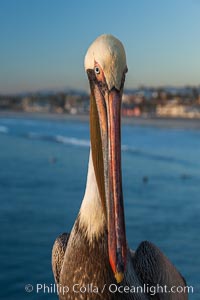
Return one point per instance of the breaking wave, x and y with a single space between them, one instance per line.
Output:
72 141
59 139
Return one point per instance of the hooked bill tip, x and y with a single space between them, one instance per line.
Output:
119 276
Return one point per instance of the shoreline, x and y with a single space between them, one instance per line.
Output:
177 123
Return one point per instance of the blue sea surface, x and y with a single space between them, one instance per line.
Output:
43 168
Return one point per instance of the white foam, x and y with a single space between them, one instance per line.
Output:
72 141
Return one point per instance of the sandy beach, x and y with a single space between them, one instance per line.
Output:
179 123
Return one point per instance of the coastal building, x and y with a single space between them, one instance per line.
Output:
30 105
176 110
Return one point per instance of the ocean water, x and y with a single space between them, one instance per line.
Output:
43 167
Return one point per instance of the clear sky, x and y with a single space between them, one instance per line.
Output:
43 42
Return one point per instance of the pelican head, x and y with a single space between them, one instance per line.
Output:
105 64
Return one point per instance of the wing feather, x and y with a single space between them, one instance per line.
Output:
58 253
154 268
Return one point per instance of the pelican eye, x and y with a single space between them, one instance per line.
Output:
97 70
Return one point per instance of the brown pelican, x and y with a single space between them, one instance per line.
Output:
94 261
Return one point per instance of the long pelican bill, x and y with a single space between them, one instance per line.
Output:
96 249
106 150
116 225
